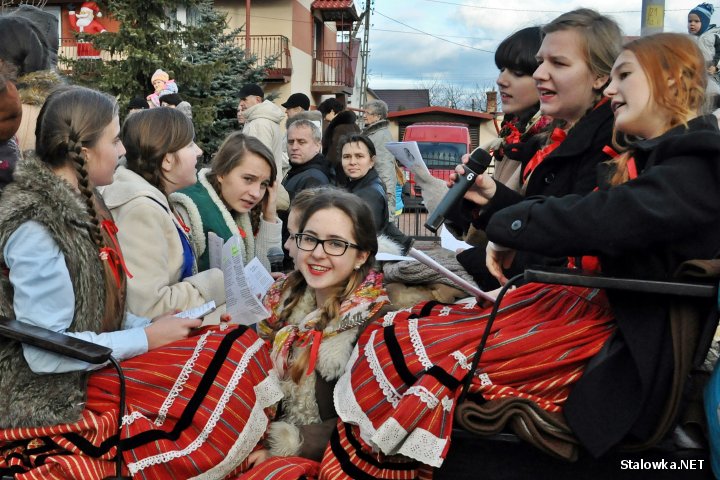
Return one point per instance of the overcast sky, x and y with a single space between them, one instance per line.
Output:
413 42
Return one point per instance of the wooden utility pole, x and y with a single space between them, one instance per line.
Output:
653 17
247 27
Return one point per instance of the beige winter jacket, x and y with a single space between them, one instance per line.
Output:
150 242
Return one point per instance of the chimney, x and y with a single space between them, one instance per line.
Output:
491 97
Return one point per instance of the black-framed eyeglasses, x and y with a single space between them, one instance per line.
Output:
332 246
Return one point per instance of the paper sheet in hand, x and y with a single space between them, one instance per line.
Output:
408 154
198 312
214 247
449 242
244 285
459 281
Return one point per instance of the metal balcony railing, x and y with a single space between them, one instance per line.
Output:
265 47
333 68
69 51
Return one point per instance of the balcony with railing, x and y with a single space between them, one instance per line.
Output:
266 47
333 72
72 49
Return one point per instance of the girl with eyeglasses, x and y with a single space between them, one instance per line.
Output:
317 313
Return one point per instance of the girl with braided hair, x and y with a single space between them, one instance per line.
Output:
316 315
62 269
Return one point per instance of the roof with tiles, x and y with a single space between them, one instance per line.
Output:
403 99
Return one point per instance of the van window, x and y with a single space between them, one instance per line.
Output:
442 154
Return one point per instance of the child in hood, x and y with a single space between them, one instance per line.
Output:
163 85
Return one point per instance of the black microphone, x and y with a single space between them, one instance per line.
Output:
476 165
276 257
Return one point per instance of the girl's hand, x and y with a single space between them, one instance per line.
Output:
497 259
257 457
270 203
171 313
481 191
168 328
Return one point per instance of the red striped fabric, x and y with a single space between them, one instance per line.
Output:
402 388
283 468
197 406
349 457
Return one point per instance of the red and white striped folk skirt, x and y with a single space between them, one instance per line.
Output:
195 409
402 382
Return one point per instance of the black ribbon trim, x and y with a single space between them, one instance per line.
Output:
185 420
351 469
443 377
397 356
203 387
427 308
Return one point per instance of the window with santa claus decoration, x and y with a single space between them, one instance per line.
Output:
86 21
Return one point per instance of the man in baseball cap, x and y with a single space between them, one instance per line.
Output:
296 103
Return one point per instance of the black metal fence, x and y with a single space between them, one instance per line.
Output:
412 221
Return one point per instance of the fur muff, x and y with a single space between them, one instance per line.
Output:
284 439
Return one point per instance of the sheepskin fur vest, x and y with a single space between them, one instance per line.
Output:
29 399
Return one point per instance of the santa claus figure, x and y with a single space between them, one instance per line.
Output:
84 21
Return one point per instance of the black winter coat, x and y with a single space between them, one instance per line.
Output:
371 189
315 173
641 229
344 123
570 168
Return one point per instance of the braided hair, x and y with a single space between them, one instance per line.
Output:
71 119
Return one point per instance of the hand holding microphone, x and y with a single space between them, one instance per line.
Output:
477 163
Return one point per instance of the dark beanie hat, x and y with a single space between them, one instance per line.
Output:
45 24
251 89
22 45
297 100
171 98
138 102
704 11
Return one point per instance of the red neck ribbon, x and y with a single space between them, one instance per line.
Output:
113 255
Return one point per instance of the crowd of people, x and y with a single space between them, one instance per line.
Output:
607 160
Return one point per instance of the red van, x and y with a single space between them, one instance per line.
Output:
441 145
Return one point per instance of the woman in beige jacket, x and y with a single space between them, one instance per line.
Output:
161 158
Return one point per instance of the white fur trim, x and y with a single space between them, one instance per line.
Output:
334 354
191 216
387 245
284 439
299 404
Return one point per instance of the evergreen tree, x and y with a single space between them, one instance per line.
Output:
204 60
236 69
